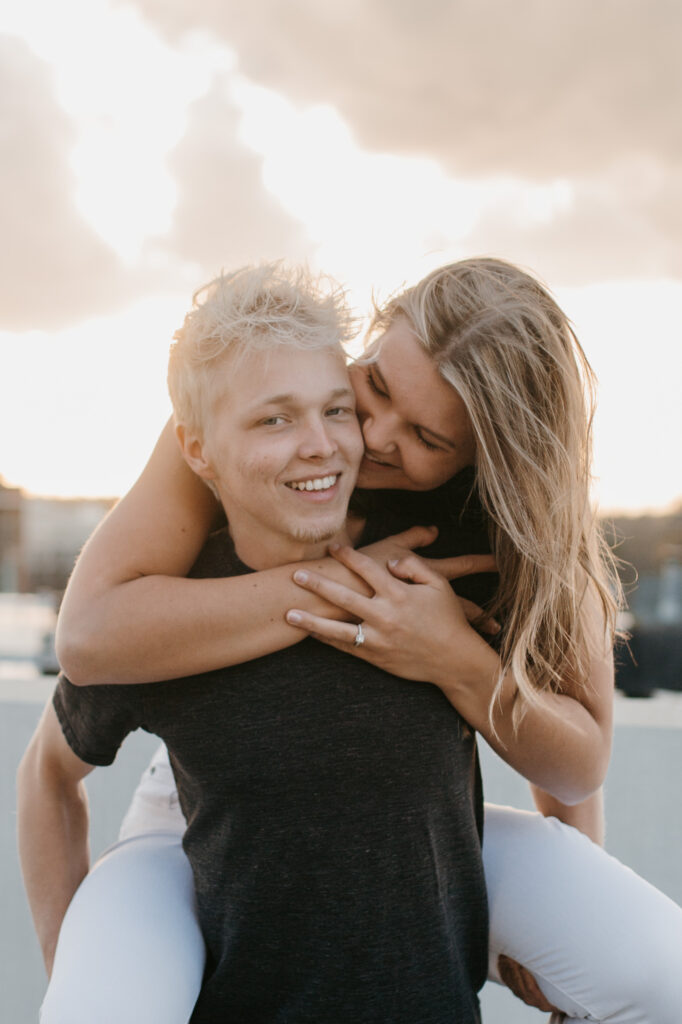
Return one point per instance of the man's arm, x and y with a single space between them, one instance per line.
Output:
52 827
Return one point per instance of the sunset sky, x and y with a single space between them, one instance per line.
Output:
146 145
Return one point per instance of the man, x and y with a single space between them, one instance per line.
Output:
330 807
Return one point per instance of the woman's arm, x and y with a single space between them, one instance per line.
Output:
587 816
417 630
129 616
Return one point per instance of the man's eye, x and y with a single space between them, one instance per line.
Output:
340 410
272 421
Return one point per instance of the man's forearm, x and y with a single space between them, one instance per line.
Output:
53 848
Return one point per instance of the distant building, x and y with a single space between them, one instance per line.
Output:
11 500
653 546
40 538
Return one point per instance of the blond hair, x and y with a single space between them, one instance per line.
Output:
500 339
254 308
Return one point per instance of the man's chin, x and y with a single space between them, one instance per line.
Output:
310 533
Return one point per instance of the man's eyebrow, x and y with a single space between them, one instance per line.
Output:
420 426
288 398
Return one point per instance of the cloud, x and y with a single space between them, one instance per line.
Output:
605 229
583 92
53 267
225 216
531 88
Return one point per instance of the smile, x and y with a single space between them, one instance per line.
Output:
321 483
378 462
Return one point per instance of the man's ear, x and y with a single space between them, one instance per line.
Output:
194 452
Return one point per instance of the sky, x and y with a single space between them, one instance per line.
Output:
146 145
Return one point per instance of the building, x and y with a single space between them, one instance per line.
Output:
40 538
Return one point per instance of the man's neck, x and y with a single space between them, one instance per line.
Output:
258 552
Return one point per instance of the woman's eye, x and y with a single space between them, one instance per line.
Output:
427 444
272 421
371 380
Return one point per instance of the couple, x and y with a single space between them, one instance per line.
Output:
333 810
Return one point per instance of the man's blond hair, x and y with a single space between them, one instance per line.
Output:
254 308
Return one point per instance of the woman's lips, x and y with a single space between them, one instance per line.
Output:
373 462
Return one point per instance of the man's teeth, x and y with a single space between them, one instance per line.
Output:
322 483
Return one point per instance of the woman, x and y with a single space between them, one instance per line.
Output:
475 366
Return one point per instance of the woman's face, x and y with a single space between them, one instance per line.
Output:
416 429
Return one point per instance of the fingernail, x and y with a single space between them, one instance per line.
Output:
392 562
294 618
301 576
335 547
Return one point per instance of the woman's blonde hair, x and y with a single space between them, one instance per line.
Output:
500 339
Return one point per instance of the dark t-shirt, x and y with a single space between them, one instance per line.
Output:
454 508
332 815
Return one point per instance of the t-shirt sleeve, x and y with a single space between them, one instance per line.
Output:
95 719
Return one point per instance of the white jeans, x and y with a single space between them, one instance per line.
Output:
603 944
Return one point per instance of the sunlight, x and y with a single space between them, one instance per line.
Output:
374 221
630 331
92 402
127 94
377 219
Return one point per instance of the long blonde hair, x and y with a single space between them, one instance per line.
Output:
500 339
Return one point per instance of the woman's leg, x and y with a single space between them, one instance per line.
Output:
130 950
602 943
155 806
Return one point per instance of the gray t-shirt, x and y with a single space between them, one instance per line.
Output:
332 815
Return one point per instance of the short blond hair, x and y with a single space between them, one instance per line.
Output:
254 308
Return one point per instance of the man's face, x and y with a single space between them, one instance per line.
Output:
283 446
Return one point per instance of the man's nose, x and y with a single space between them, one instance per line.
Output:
317 441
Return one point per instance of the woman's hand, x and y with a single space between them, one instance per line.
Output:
393 549
411 623
415 627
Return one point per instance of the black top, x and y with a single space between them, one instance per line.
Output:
454 508
333 830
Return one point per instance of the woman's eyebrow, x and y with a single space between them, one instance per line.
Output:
419 426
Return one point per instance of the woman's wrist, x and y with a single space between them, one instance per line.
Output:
469 672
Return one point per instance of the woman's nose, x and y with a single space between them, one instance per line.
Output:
379 433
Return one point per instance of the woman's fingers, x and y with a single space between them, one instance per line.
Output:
462 565
484 623
341 633
336 593
364 566
415 537
413 569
